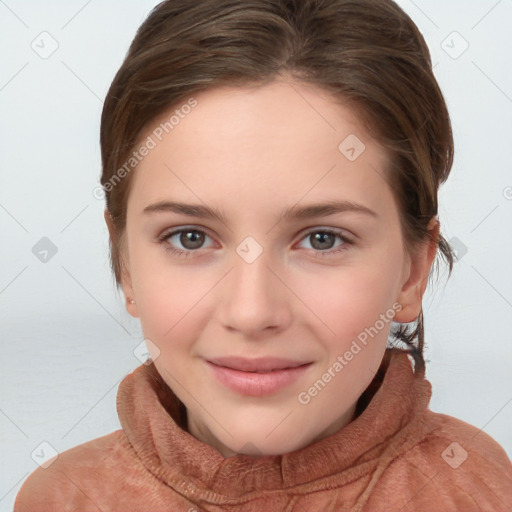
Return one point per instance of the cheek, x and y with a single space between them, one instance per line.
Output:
170 298
347 300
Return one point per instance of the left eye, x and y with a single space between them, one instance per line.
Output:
322 241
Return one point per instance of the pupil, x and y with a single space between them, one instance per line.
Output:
322 238
191 237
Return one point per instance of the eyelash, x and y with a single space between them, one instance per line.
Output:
181 253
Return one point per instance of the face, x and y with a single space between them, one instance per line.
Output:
269 317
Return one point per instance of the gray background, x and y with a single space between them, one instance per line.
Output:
66 338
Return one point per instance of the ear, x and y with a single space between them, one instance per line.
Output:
416 276
126 282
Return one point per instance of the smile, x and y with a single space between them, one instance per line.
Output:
256 377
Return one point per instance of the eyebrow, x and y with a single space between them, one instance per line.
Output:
293 212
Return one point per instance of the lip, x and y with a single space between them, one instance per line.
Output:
257 377
263 364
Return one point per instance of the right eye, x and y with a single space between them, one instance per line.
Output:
191 239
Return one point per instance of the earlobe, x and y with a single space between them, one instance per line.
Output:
126 284
131 307
420 263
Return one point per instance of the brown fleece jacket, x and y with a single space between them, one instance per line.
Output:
396 455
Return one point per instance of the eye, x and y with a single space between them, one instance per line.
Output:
191 239
322 241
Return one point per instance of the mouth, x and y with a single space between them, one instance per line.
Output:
257 365
257 377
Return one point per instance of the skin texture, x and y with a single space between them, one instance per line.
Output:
252 153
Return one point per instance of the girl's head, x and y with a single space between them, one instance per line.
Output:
271 170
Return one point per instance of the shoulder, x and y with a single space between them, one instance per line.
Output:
79 478
453 466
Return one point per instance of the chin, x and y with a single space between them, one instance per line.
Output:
262 444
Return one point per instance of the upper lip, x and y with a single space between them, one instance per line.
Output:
256 364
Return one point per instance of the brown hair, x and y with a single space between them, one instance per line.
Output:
365 52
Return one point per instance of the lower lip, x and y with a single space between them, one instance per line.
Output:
257 384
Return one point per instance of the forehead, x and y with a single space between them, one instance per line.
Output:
282 140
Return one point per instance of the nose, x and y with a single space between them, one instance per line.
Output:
255 301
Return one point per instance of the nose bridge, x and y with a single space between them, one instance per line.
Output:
255 298
253 278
